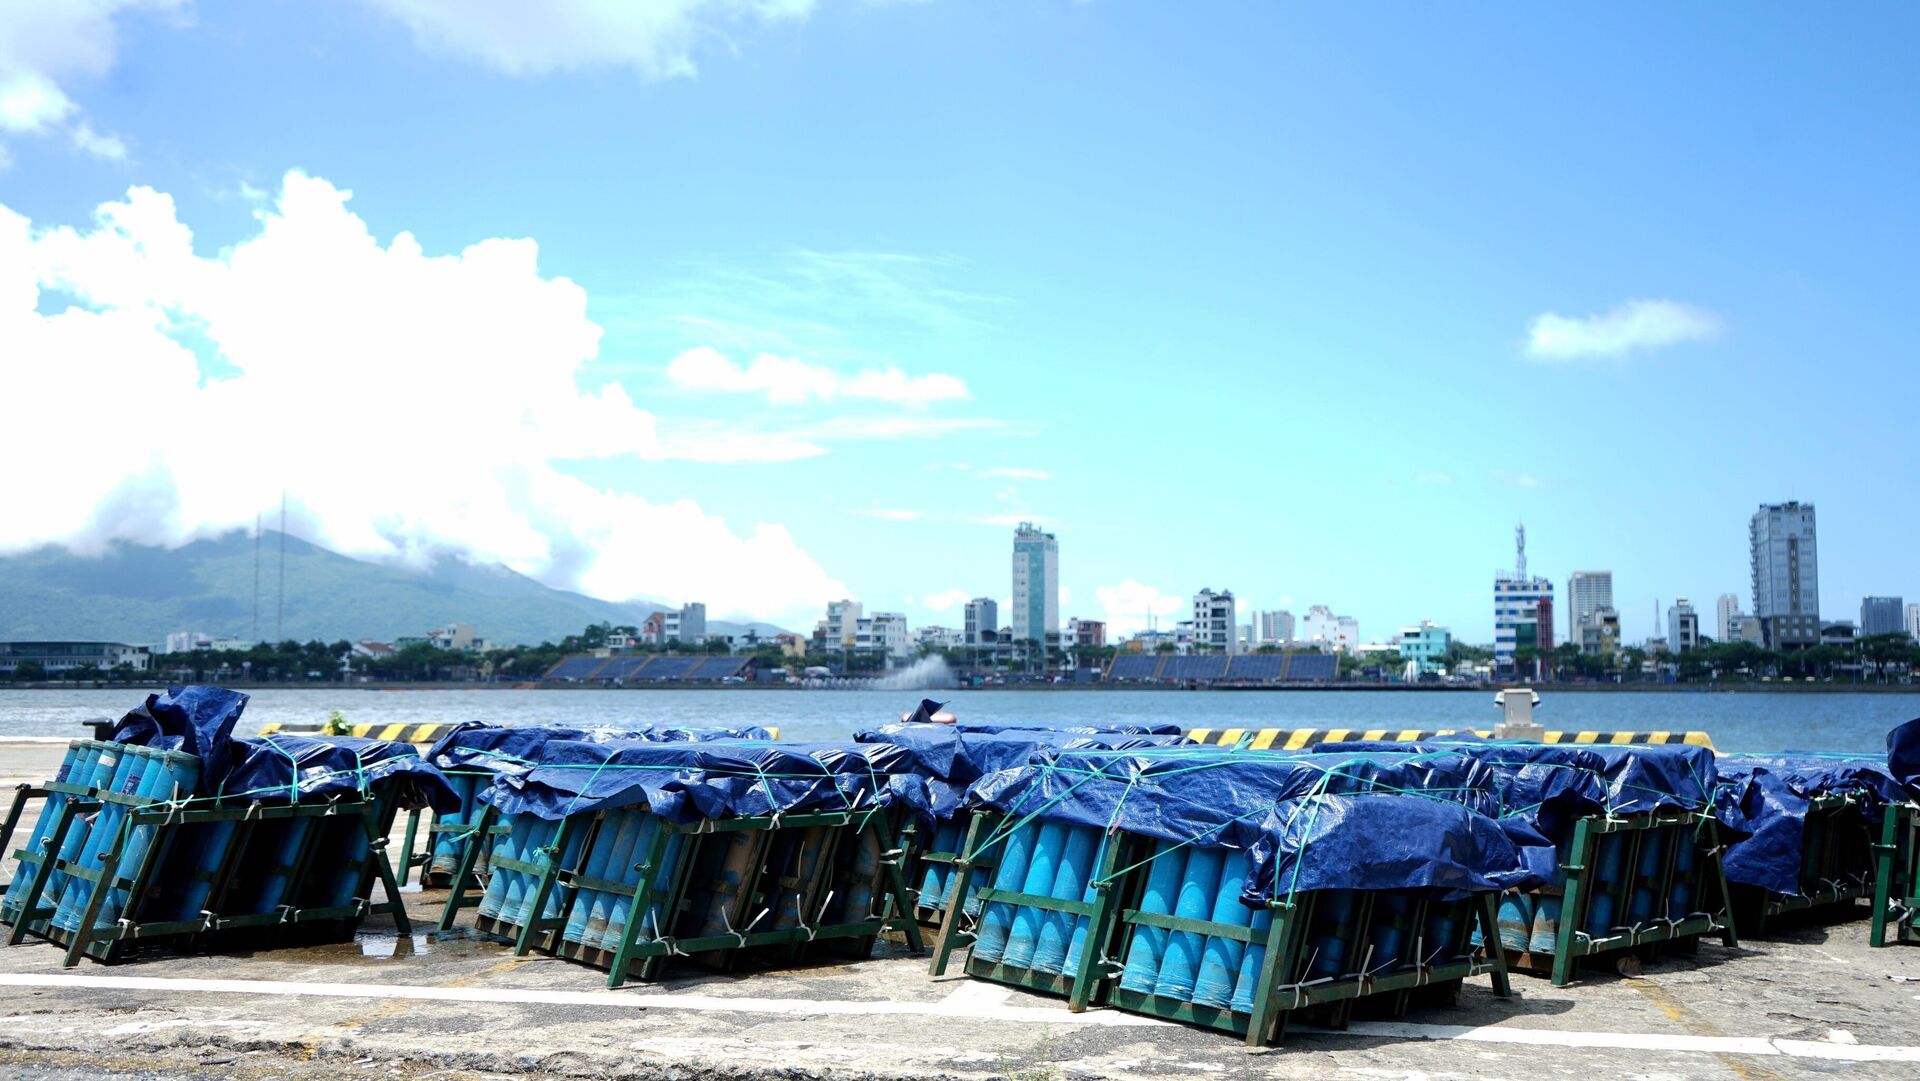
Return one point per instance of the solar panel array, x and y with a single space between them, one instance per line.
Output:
713 668
1255 667
1206 669
577 668
621 668
647 668
1134 666
666 668
1313 666
1242 668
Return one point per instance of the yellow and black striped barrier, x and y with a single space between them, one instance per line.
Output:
1294 739
403 732
424 734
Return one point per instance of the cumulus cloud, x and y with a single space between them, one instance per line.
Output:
410 404
1128 605
947 600
658 39
786 381
43 45
1632 327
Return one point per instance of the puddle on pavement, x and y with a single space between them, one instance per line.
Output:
385 944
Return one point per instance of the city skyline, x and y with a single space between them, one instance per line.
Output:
821 304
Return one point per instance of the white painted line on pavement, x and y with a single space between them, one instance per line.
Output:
971 1000
637 999
1633 1041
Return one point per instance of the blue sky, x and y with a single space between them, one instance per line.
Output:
1311 303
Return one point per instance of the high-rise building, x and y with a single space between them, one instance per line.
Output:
1786 574
1913 621
1727 608
1036 584
1275 627
1587 593
1683 626
983 621
1213 621
1516 609
1880 615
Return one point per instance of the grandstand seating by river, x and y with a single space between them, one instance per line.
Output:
647 668
1240 668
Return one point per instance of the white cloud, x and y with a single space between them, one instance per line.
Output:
110 147
409 403
43 45
786 381
1014 472
655 38
1128 605
1632 327
947 600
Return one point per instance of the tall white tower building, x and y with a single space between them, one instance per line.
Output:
1036 584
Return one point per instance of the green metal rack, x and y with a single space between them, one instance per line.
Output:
177 851
1281 990
641 959
1836 866
412 856
1896 877
1709 910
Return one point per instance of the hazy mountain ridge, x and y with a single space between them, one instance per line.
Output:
140 594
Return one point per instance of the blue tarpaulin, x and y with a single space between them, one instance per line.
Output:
1368 819
682 782
1768 797
472 745
952 757
1379 841
288 768
196 719
1903 756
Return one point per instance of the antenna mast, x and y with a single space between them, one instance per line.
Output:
280 618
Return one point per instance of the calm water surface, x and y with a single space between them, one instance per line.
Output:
1737 722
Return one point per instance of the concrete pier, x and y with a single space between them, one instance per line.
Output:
1814 1002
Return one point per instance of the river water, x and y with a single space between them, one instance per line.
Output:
1753 721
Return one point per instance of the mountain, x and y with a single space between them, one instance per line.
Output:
140 594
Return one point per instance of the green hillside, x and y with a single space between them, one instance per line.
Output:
140 594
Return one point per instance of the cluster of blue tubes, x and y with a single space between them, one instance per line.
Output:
936 885
1055 860
1196 883
1531 922
150 776
448 844
599 918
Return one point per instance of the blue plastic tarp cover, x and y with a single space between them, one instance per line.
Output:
952 757
197 719
477 747
1769 797
1378 842
1215 795
1553 783
683 782
1903 756
305 769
